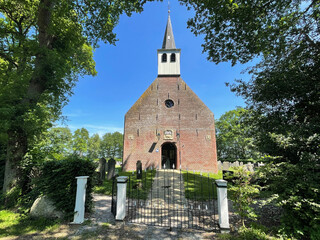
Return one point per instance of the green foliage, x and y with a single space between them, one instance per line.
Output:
235 136
80 141
58 182
94 147
283 92
240 30
14 224
44 47
246 234
242 193
112 145
138 189
297 193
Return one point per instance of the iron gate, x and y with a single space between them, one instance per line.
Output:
114 196
172 198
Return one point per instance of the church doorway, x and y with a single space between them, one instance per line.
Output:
169 156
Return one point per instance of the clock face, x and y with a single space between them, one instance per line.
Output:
169 103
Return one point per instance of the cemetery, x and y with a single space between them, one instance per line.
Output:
217 140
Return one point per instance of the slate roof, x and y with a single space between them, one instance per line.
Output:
168 40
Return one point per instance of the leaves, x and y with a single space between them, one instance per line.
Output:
235 136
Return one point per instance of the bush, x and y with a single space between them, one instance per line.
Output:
242 193
58 182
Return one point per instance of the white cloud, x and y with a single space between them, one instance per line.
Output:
93 129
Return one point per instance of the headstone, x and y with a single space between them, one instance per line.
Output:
111 168
219 166
225 166
236 164
250 167
102 169
241 164
139 169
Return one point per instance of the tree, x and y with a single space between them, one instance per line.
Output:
45 45
112 145
235 138
284 91
59 145
94 147
80 140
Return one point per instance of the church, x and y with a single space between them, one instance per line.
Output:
169 126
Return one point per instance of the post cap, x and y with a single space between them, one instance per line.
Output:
221 183
122 179
82 177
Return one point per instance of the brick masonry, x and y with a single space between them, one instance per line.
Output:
190 120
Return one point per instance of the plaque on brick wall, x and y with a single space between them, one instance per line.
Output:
130 136
208 137
168 134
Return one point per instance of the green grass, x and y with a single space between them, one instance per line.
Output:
251 233
199 187
14 224
137 189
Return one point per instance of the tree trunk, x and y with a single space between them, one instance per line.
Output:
17 138
17 148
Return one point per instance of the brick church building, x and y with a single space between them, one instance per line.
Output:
169 126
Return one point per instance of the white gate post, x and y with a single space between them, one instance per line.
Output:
223 205
121 197
80 200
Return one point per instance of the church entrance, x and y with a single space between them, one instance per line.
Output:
169 156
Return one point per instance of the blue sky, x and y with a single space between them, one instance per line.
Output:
126 70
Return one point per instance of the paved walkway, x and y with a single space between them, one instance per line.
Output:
166 204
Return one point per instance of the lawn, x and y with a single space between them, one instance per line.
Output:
14 224
200 186
136 188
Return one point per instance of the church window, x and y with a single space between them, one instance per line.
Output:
169 103
172 57
164 57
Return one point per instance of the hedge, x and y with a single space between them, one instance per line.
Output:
58 182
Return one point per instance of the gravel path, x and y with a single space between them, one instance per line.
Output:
104 226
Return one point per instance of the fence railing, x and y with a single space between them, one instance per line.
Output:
172 198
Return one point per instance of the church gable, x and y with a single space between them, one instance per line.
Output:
170 117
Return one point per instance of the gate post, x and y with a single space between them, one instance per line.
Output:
223 205
80 199
121 197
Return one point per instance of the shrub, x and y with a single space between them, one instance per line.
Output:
58 182
242 193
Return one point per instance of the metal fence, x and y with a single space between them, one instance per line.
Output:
172 198
114 196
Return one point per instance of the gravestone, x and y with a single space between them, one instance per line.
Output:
139 169
236 164
225 166
111 168
102 170
250 167
219 165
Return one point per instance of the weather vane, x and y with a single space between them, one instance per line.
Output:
169 7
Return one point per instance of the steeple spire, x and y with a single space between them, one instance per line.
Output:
168 40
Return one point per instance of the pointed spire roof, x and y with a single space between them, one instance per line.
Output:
168 40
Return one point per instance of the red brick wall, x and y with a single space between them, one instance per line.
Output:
190 117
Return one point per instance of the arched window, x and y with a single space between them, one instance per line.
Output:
173 57
164 57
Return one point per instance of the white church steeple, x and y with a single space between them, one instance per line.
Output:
169 55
